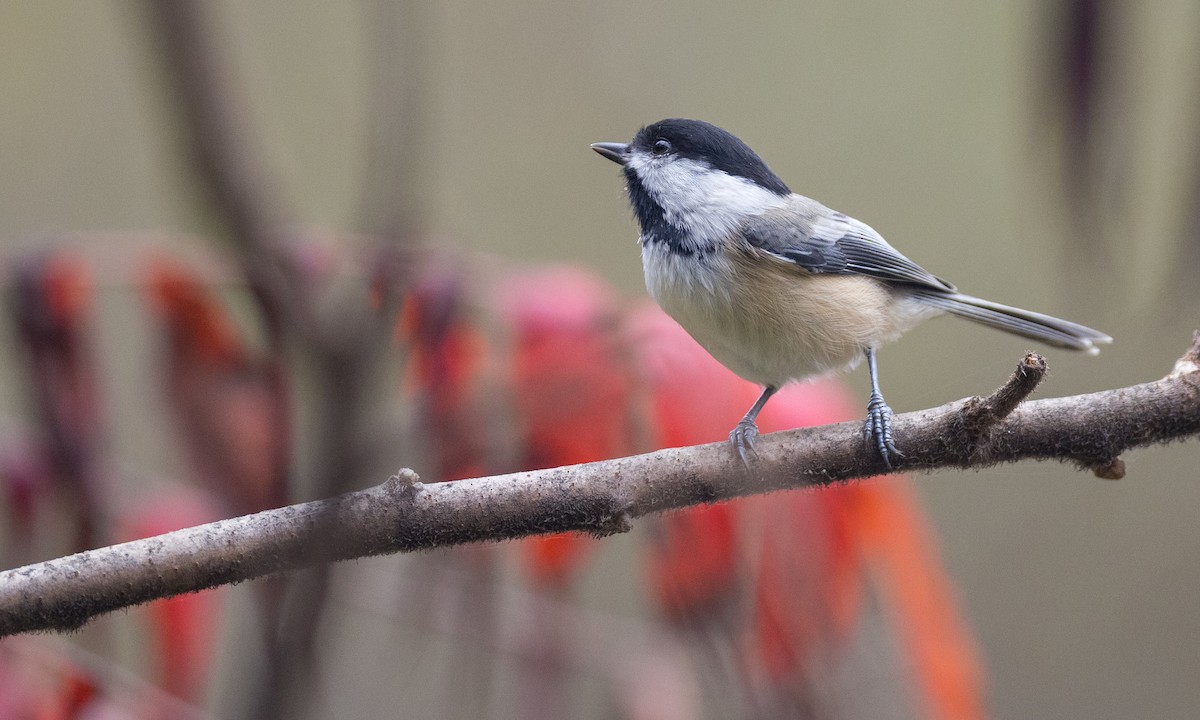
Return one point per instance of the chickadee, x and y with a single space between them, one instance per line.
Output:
776 286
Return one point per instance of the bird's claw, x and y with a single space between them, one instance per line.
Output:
742 438
878 429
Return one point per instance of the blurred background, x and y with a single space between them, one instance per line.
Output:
427 167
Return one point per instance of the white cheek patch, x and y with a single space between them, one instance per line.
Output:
709 204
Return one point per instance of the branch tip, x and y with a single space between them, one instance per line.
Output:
618 522
405 481
1190 362
1112 470
980 415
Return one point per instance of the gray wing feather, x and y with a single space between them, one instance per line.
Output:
820 240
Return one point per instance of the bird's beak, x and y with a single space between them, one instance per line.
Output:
617 152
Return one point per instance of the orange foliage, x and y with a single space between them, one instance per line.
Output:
571 385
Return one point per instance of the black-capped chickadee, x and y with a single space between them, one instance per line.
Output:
776 286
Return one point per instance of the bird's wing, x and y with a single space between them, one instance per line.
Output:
819 240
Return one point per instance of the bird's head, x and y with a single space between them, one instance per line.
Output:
691 183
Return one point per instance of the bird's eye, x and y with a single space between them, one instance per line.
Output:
661 147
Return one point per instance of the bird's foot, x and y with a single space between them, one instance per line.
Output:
742 438
878 429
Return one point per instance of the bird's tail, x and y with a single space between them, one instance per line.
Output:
1061 333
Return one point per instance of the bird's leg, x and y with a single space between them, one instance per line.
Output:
878 429
744 433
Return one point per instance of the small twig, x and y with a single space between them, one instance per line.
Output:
997 406
403 515
1190 362
981 415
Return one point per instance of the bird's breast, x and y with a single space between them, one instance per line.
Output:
767 320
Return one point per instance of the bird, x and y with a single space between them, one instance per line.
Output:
776 286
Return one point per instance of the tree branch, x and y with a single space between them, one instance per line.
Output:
403 515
